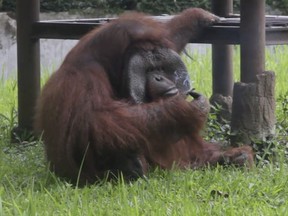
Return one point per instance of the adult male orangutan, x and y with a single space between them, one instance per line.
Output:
117 104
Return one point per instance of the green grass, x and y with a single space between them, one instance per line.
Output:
28 188
200 68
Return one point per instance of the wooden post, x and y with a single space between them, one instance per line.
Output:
222 67
253 110
252 36
28 54
222 54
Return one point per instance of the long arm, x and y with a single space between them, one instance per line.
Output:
188 26
165 121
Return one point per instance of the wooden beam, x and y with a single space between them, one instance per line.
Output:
226 31
28 54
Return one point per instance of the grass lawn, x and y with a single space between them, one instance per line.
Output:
28 188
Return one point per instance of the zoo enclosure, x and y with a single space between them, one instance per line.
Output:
252 30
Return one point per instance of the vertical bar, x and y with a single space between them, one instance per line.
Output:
252 36
222 67
28 54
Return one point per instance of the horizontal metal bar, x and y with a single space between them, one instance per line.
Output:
90 20
62 30
277 36
226 31
220 35
70 30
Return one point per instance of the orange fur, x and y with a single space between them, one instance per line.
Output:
84 118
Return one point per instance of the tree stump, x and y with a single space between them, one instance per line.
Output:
253 110
225 105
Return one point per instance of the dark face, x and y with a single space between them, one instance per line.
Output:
158 86
149 75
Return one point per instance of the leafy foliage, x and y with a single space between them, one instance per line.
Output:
279 4
217 130
150 6
170 6
64 5
58 5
